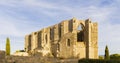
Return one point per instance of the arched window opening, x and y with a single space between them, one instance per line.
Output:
39 38
70 26
80 33
46 38
80 36
68 42
60 30
58 47
30 42
79 27
50 34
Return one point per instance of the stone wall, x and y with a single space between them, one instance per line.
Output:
70 38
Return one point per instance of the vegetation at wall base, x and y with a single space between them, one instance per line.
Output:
101 57
98 61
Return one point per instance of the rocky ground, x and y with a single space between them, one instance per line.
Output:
35 59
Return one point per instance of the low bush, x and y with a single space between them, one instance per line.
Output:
115 56
98 61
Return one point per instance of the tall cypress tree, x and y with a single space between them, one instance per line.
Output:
107 57
7 46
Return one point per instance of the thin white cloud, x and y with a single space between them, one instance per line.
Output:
8 28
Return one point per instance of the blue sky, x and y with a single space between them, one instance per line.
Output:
21 17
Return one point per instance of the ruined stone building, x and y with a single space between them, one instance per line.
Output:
69 39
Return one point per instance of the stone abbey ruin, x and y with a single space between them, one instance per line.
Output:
69 39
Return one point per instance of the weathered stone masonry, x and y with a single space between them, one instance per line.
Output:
69 39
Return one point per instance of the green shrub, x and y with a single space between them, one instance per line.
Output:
7 46
101 57
115 56
98 61
107 57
